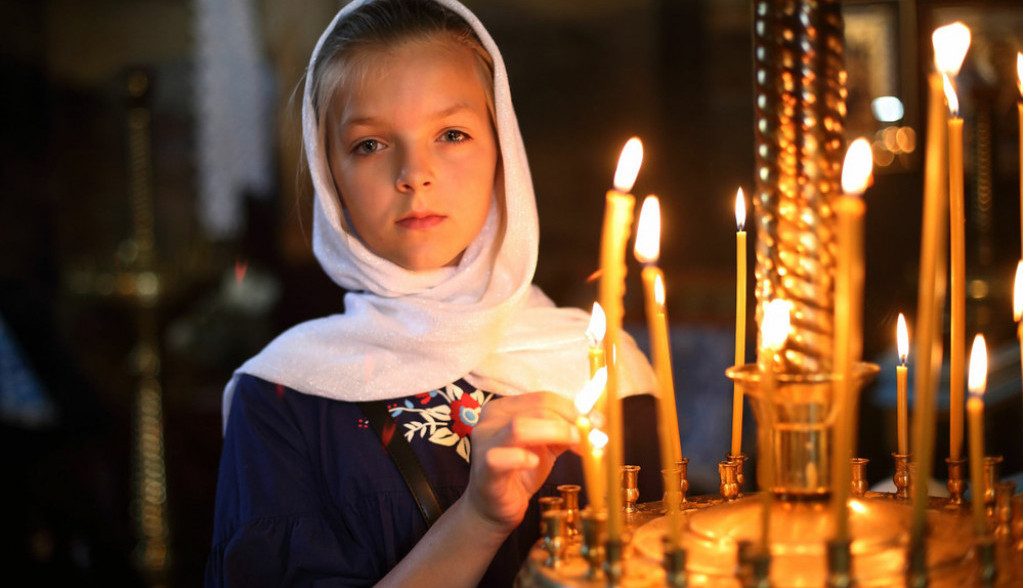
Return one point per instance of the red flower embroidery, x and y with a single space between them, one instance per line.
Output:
465 413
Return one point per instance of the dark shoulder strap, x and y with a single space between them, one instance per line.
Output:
403 456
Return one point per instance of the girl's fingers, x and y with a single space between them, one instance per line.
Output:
536 401
509 459
528 431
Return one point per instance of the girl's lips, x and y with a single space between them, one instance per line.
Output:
421 222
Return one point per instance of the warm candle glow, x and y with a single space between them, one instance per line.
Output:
598 439
659 290
902 337
950 96
1017 293
1019 72
978 366
740 210
591 392
628 165
951 42
858 165
598 324
776 324
648 231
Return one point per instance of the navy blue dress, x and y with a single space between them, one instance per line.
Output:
307 496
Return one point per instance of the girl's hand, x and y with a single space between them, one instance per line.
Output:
513 450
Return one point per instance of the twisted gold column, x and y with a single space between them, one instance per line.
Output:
800 113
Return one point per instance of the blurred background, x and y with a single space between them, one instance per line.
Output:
154 229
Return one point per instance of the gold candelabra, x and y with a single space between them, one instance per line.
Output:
788 533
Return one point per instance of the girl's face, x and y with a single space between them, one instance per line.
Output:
413 152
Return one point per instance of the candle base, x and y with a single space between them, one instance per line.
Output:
902 479
675 565
683 468
728 488
956 480
740 476
858 481
839 564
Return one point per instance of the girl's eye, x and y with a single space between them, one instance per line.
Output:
455 136
366 147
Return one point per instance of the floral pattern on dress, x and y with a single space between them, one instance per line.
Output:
448 423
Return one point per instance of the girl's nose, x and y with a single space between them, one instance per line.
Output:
416 171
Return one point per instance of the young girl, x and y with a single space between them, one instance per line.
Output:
425 215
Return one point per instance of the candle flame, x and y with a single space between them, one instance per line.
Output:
740 210
588 396
598 438
1017 293
628 165
950 95
1019 72
659 290
977 380
776 324
648 231
858 165
598 324
902 337
951 42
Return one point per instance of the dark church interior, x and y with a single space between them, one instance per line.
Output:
143 260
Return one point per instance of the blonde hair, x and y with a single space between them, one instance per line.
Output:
384 24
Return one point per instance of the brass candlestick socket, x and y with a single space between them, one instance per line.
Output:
594 535
1017 520
674 564
839 564
570 504
740 477
1003 509
683 466
990 480
902 478
613 567
956 480
858 481
761 570
729 487
672 500
744 561
630 487
554 541
986 557
547 504
916 574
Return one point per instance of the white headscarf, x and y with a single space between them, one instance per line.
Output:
406 332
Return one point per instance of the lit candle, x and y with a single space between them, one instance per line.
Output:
931 297
647 251
617 225
774 331
957 226
849 212
902 405
1019 108
595 333
1017 306
740 317
587 420
597 441
975 406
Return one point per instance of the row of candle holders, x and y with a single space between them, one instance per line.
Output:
564 523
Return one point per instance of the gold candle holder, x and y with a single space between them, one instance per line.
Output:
991 477
594 535
902 478
630 487
570 504
839 564
1003 510
674 564
858 478
956 483
729 487
554 541
547 504
683 467
1017 521
740 476
672 500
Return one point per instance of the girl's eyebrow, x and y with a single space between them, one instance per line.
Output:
370 120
